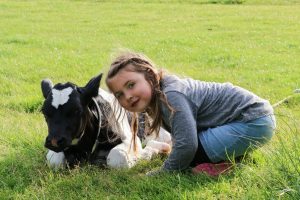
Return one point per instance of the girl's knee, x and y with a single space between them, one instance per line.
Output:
269 128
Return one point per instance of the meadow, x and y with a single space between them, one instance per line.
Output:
251 43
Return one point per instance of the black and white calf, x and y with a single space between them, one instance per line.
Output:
83 127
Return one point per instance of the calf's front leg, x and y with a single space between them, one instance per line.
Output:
56 160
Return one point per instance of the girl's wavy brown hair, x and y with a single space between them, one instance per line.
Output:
139 63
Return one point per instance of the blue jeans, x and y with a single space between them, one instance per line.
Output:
236 138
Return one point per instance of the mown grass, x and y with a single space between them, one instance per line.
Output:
255 44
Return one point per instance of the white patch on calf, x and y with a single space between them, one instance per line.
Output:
119 157
60 97
163 136
56 160
107 96
148 152
124 126
160 146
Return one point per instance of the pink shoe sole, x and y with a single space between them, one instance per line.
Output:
212 169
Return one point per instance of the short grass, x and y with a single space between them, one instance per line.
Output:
255 44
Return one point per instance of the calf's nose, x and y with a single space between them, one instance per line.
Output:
62 142
56 142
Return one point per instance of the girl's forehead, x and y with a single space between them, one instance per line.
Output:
121 78
127 73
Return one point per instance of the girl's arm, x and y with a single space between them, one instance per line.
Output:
183 129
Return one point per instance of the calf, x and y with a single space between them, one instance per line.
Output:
83 127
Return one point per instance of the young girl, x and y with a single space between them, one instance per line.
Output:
209 122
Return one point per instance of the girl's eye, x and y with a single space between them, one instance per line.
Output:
118 95
130 85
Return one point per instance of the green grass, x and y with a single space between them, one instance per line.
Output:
255 44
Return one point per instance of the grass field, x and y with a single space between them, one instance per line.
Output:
255 44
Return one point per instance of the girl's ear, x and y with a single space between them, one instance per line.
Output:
91 89
46 86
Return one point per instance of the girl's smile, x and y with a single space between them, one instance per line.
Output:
131 89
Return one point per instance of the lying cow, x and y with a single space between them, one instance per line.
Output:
83 127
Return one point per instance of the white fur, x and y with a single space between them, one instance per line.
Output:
56 160
160 146
122 155
163 136
60 97
125 130
119 157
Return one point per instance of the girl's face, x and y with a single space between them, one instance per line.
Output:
131 89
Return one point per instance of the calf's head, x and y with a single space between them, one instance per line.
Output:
65 109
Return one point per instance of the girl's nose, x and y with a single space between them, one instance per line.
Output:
128 96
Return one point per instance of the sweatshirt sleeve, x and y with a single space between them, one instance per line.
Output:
183 129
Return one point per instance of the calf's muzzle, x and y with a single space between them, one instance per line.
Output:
56 144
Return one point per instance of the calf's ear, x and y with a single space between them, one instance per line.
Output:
91 89
46 85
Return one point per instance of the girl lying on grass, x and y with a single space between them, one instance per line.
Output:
209 122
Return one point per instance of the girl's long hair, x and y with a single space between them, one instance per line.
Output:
137 62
